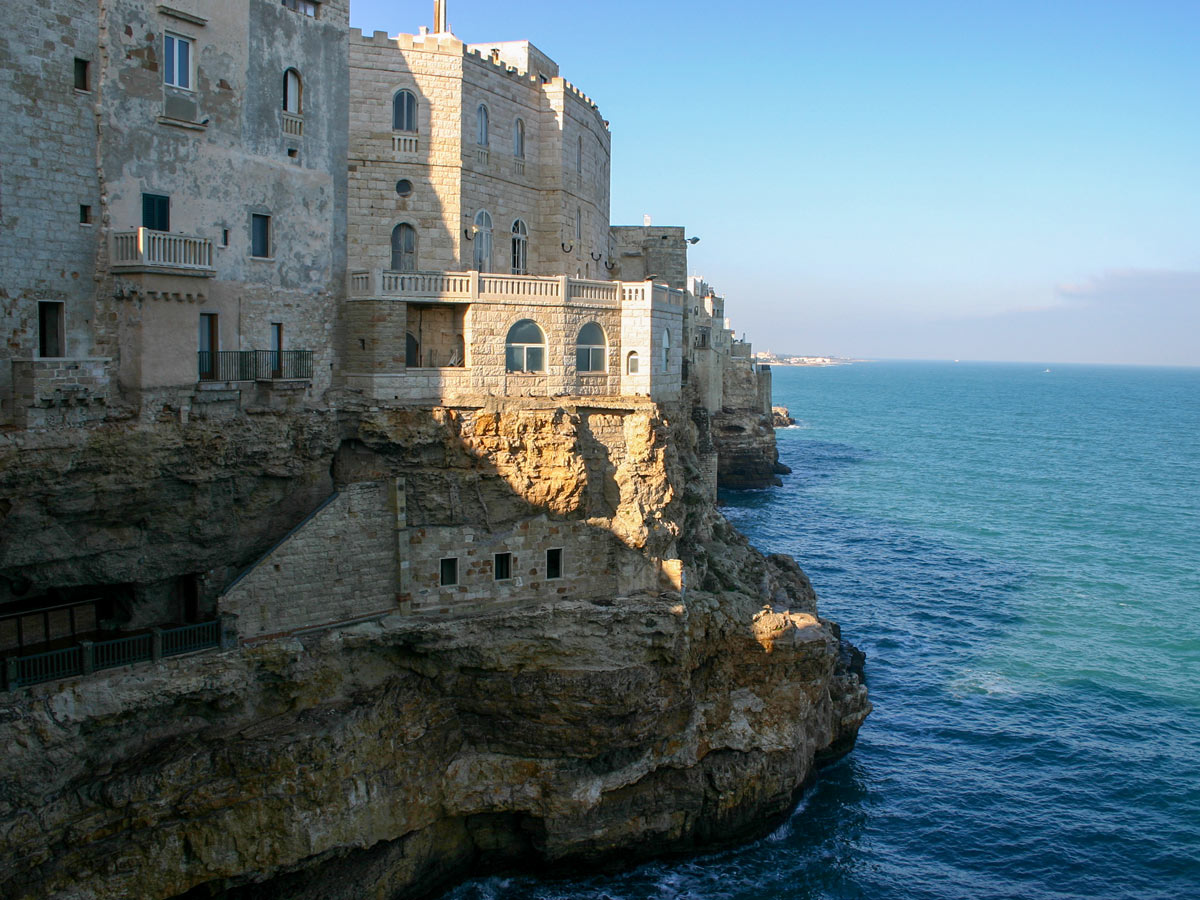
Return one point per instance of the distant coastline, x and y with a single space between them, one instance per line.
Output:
773 359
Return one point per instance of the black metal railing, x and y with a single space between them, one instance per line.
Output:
88 656
255 365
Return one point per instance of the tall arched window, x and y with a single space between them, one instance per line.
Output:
481 116
520 247
404 111
404 248
591 349
578 223
519 139
291 92
483 241
579 155
666 351
525 348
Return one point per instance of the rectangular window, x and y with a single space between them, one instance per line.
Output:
156 212
177 61
503 566
85 214
554 563
260 236
224 237
276 349
450 571
305 7
208 343
83 81
50 329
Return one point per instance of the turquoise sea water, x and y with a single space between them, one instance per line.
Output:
1018 553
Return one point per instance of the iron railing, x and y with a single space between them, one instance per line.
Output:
87 657
122 651
45 666
255 365
190 638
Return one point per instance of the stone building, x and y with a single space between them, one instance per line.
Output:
266 210
173 203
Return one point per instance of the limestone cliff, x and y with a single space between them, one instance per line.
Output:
388 758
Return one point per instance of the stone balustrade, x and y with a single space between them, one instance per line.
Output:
468 287
146 250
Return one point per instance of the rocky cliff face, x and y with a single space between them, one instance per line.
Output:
744 431
386 759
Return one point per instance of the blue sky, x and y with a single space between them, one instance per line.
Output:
974 180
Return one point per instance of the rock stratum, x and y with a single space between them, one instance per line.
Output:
388 759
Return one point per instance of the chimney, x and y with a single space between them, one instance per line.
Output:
439 16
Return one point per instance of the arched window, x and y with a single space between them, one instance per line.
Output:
404 111
631 363
525 348
666 351
481 116
412 351
404 248
591 349
483 241
519 139
579 155
579 223
520 247
291 92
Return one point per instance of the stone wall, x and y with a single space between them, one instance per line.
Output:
337 565
559 187
588 568
60 391
47 173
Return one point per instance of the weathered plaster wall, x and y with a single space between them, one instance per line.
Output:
47 171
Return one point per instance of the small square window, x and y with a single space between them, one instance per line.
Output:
503 566
308 8
450 571
554 563
83 81
85 214
260 236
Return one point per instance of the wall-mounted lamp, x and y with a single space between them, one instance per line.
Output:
609 264
692 240
567 249
469 233
596 257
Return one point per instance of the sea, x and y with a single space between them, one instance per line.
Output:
1016 548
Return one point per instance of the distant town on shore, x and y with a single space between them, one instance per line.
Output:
787 359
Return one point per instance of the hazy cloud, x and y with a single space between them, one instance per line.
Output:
1143 287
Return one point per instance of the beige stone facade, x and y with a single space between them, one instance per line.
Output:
277 211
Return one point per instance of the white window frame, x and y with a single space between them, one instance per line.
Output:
409 112
172 71
520 247
481 252
293 91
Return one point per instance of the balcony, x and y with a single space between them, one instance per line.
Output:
293 124
146 250
467 287
255 365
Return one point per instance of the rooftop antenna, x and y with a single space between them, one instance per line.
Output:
439 16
